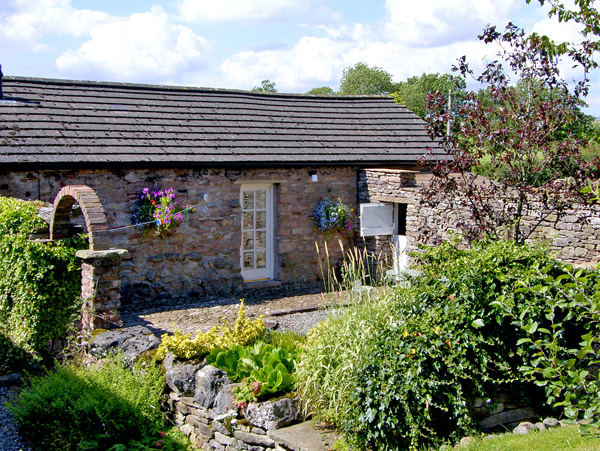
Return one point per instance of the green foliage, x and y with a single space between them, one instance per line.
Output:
14 358
401 373
283 338
361 79
265 86
40 283
412 92
73 408
19 217
265 368
562 321
243 332
322 91
336 350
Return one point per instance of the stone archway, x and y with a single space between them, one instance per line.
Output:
100 267
93 212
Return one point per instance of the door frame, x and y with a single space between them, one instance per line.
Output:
268 272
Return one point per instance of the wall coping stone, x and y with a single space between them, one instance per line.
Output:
87 254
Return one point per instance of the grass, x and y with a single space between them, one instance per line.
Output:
558 439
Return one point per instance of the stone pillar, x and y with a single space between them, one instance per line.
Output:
101 287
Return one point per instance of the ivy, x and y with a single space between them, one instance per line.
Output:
40 283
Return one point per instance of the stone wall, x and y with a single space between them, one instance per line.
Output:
573 237
203 257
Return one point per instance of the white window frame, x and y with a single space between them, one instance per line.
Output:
268 272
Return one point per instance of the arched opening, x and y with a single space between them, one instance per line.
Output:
93 212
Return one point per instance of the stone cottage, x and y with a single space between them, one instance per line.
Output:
253 165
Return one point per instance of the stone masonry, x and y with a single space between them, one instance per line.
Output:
203 256
573 237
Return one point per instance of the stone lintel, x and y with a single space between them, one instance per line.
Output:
87 254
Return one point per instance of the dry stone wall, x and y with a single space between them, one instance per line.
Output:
573 237
203 256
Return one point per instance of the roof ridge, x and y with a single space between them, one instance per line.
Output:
157 87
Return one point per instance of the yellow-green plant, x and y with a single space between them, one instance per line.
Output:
243 332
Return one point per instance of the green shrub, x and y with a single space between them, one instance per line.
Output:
19 217
39 288
106 405
39 283
336 350
401 372
268 369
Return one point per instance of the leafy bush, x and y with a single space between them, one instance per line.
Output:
402 373
19 217
243 332
73 408
266 368
336 350
39 283
562 339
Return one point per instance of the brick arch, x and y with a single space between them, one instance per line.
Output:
93 212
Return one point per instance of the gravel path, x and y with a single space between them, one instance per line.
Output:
208 313
10 440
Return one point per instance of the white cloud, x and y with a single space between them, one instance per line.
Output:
145 47
235 10
314 62
27 22
434 23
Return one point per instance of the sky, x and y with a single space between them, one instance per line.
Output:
235 44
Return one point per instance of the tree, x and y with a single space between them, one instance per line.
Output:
524 132
361 79
412 92
322 91
265 86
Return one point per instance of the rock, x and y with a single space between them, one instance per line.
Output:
220 427
271 415
8 380
209 380
524 428
465 441
508 416
169 361
540 426
132 348
521 430
131 341
551 422
224 439
181 378
254 439
225 400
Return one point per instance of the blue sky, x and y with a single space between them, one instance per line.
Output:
298 44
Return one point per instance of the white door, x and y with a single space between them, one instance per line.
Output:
257 232
399 239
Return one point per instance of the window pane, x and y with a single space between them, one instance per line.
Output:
248 201
261 219
261 259
248 240
261 199
248 260
248 223
261 240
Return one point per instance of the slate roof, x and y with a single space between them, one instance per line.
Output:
63 123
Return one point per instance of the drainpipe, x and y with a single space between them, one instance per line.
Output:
1 75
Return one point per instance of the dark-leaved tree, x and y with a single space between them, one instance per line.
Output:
523 135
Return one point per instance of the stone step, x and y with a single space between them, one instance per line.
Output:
303 437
